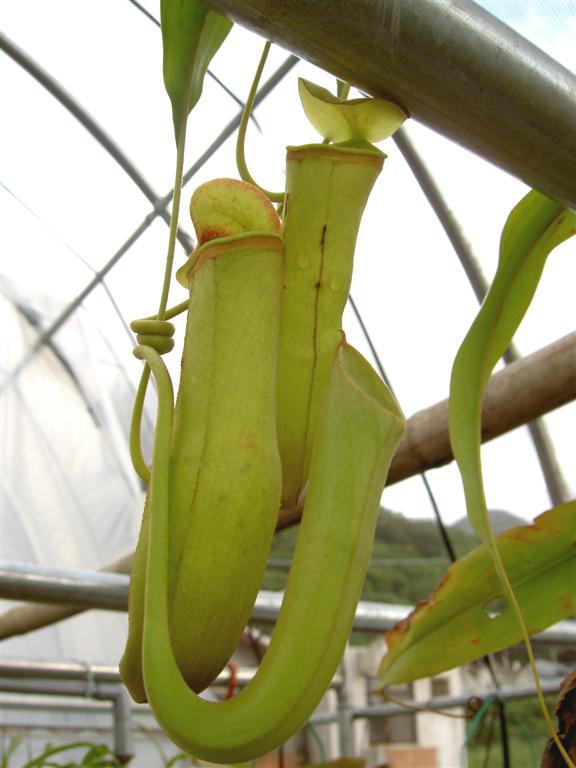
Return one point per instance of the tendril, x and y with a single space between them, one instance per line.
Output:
471 706
140 466
275 197
156 334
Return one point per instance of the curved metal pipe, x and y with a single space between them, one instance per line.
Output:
451 64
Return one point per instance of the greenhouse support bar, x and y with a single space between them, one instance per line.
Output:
320 718
89 589
110 592
69 679
24 669
452 65
438 703
449 702
115 693
31 616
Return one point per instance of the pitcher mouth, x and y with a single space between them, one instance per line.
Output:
224 246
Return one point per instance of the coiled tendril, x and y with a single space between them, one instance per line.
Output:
156 334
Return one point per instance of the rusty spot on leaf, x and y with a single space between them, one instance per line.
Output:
394 635
567 603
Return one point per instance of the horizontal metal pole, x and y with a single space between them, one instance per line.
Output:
110 591
113 692
30 677
20 704
74 678
24 669
451 65
88 589
439 703
68 679
449 702
107 691
370 616
39 703
320 718
31 616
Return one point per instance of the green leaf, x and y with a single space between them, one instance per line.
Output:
191 35
13 745
358 120
535 226
50 750
457 624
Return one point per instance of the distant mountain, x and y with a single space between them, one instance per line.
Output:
501 521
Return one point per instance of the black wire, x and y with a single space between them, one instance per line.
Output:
145 11
383 375
441 527
368 338
489 738
503 720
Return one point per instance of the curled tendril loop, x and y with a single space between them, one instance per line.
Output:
154 333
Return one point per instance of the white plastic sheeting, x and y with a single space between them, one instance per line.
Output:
69 494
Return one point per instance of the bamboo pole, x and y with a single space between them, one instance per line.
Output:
521 392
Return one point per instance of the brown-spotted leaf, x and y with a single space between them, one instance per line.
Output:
466 617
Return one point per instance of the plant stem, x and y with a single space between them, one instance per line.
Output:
275 197
180 145
135 442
